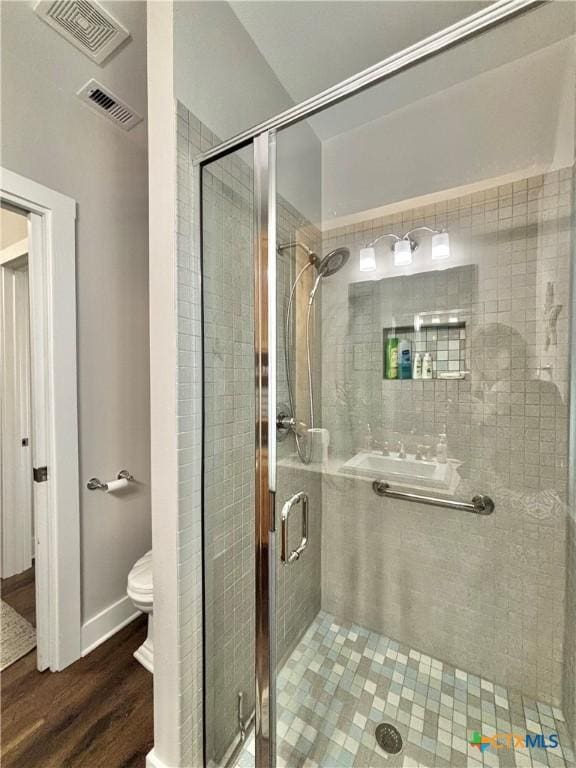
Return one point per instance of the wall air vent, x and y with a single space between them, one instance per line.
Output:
106 103
85 24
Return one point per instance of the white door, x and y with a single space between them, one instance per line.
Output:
15 409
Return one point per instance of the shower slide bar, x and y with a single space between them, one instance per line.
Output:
480 505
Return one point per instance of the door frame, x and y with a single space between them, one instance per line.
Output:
52 276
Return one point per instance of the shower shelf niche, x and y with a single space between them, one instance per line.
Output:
446 342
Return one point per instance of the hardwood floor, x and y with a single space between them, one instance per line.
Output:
19 592
97 713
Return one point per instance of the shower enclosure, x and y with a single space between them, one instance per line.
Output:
389 567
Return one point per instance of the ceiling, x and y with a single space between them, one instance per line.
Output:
311 46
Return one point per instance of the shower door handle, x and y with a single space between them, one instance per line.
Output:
297 499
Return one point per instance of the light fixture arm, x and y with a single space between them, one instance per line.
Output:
381 237
422 229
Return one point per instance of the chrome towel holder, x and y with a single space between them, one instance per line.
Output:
94 484
480 505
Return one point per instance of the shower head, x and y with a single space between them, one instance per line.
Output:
328 265
332 262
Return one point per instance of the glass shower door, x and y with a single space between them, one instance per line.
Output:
228 452
423 350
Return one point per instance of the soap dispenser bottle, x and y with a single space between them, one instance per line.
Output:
417 370
442 449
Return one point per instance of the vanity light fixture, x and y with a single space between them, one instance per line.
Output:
402 253
403 248
367 259
440 245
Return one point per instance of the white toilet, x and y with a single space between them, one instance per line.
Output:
140 591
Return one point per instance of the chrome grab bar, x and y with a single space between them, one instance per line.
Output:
298 498
480 505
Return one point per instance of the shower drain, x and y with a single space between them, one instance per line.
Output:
388 738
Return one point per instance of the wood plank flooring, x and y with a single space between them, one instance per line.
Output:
19 592
97 713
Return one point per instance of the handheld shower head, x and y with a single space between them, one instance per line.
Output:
327 266
332 262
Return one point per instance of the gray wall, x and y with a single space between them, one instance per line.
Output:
211 45
486 594
51 137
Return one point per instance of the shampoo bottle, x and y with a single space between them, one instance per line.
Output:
405 359
427 366
392 358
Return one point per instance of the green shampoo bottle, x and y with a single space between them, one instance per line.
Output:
391 358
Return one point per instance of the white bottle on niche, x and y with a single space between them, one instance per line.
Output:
417 369
427 366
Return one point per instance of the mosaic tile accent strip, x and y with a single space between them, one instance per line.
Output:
342 680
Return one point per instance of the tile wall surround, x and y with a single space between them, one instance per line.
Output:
229 441
486 593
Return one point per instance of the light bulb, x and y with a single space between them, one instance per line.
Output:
440 246
367 259
402 253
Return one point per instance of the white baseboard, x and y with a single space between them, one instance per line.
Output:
153 761
106 623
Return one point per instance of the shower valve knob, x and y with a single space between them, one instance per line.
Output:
284 421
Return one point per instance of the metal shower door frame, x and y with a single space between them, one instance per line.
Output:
265 445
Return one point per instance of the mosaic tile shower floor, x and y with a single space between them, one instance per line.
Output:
342 680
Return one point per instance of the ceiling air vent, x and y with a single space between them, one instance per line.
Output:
85 24
106 103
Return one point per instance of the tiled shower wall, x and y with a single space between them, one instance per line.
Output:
486 594
191 139
229 446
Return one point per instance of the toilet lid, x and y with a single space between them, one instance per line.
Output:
140 577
